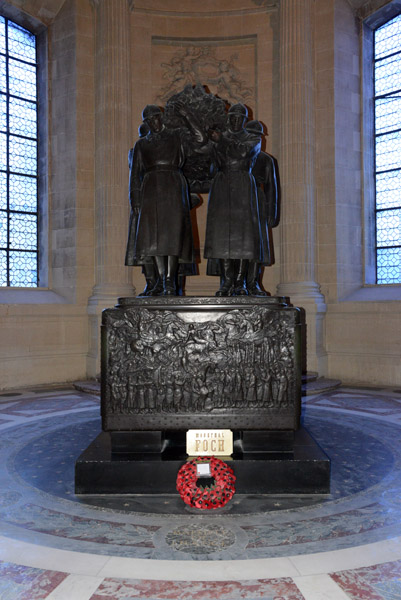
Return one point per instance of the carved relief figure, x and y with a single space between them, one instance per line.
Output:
160 363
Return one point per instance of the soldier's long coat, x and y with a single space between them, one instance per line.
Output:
264 172
159 191
233 228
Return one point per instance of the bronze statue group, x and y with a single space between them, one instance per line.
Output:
193 147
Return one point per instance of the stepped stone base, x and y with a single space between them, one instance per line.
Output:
303 470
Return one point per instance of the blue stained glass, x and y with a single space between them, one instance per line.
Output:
388 151
388 114
3 80
387 38
23 193
2 34
3 268
23 230
23 271
388 189
22 79
22 119
388 75
3 191
18 157
388 226
3 151
3 113
21 43
389 265
23 155
3 228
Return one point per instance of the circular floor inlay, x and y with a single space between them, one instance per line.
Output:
197 539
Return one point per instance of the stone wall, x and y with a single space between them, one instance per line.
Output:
45 331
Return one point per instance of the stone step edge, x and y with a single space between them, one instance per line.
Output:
320 385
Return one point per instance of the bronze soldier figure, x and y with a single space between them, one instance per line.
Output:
159 198
147 262
233 228
264 172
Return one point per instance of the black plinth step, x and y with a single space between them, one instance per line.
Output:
174 442
305 470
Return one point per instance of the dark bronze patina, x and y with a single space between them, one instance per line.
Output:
197 146
160 205
171 364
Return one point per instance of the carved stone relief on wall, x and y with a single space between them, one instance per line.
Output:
228 70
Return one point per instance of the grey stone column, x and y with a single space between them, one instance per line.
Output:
297 173
112 142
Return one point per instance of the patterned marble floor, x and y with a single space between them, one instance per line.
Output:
54 545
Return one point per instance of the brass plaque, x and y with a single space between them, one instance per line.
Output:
209 442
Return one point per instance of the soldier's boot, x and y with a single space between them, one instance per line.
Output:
252 280
227 280
157 290
180 285
159 267
150 273
169 282
240 280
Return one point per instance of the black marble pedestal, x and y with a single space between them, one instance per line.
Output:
303 470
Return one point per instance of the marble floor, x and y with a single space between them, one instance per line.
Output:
55 545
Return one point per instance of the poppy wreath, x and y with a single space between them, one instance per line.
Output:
215 496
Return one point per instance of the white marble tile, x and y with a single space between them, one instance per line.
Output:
75 587
348 558
319 587
221 570
41 557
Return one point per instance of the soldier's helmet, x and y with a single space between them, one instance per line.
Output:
150 110
143 129
238 109
254 127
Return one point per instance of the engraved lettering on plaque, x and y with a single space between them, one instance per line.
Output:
209 442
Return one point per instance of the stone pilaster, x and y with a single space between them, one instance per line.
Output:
297 173
112 142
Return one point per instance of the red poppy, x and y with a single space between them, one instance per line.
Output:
214 496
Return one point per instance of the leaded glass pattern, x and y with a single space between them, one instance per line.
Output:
387 77
18 157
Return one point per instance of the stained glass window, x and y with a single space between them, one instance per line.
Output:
387 77
18 157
